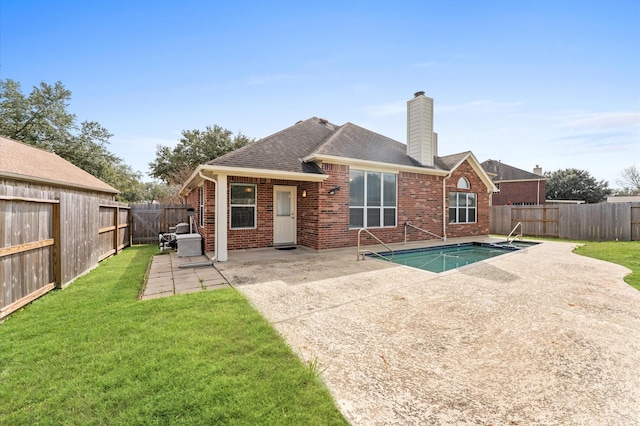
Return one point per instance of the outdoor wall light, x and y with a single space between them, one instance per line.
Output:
333 190
304 193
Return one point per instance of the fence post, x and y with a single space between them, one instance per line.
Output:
116 231
57 255
130 222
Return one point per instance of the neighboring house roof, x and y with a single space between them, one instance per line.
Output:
299 148
503 172
26 162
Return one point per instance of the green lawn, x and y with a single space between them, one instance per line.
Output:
623 253
93 354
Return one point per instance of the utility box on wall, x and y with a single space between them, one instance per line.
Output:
189 245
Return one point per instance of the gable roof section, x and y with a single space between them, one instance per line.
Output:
453 161
355 142
282 151
26 162
504 172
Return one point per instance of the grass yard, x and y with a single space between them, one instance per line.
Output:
623 253
93 354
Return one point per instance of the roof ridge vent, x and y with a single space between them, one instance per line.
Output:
323 120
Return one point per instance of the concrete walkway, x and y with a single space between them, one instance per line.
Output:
170 274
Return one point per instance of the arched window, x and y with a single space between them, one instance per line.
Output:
462 205
463 183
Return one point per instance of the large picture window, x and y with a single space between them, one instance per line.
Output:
373 199
462 207
243 206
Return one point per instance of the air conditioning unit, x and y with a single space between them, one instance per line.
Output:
189 245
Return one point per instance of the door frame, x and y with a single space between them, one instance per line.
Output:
294 211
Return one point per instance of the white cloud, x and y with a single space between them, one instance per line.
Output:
600 119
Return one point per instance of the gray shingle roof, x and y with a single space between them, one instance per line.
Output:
284 150
506 172
351 141
448 162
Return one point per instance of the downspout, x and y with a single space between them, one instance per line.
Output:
215 231
444 207
538 193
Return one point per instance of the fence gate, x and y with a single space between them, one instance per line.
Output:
148 220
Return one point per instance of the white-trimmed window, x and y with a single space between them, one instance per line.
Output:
462 207
463 183
373 201
243 206
201 208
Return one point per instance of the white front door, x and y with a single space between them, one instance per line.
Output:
284 214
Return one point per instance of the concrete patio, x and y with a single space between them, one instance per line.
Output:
539 336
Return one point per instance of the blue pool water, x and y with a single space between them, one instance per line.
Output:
444 258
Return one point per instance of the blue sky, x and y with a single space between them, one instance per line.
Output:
554 83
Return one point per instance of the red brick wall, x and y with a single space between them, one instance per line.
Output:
208 231
307 223
481 227
323 219
528 192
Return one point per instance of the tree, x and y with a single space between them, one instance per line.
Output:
630 181
42 119
575 184
195 147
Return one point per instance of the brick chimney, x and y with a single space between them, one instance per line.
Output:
421 141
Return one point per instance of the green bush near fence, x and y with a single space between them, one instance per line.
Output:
93 354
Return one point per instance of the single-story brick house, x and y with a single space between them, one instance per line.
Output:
517 186
316 184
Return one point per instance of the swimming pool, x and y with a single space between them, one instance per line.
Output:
444 258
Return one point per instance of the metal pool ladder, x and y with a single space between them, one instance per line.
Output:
514 230
362 252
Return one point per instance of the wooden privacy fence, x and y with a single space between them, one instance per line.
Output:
148 220
42 248
593 222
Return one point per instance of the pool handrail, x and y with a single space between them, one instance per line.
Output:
362 252
406 224
514 230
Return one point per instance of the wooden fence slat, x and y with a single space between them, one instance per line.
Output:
20 248
148 220
594 222
9 309
28 200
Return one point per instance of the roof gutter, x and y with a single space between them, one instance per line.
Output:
196 177
444 206
373 165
